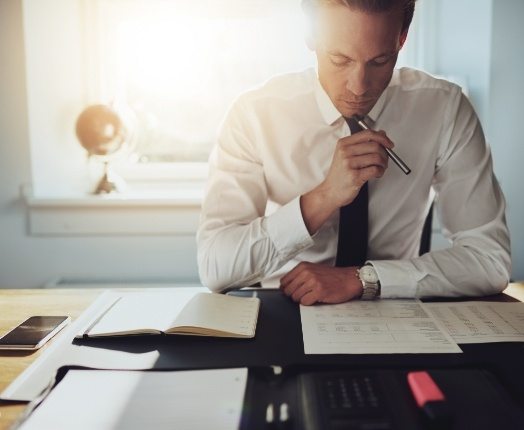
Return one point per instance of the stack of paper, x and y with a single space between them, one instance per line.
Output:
106 399
408 326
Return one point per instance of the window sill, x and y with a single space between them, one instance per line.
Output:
153 212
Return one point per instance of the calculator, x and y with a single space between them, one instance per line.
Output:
345 400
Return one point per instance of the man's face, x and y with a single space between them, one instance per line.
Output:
356 53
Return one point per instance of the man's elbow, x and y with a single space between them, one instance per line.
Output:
499 274
219 281
209 277
213 275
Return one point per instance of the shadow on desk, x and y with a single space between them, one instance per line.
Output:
278 341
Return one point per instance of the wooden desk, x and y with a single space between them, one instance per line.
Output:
17 305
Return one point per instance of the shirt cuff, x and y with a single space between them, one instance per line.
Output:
398 278
287 230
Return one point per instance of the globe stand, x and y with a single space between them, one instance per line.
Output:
110 182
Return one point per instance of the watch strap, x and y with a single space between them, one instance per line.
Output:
370 291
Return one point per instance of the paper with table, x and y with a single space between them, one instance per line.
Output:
106 399
408 326
373 327
479 322
177 311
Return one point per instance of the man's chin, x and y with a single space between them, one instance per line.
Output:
350 109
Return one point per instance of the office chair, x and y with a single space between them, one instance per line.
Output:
425 240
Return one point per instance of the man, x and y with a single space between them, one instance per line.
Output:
287 161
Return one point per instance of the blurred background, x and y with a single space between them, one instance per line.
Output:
171 68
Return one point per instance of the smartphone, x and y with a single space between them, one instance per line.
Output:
33 332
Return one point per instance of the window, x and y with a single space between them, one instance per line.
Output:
180 64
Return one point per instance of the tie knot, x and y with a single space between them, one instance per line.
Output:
354 127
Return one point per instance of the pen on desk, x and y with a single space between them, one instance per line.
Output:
391 154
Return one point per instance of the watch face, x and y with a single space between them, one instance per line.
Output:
368 274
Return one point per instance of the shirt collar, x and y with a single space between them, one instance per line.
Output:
329 112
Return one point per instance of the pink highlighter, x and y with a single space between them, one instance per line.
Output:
428 396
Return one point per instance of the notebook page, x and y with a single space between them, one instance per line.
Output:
137 311
222 313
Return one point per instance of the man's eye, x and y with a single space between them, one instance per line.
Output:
339 62
381 61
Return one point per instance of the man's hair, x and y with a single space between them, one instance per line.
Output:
408 7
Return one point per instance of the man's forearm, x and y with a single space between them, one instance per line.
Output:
316 209
240 254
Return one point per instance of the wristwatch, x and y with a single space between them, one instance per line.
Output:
370 282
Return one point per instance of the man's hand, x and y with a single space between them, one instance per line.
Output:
310 283
357 159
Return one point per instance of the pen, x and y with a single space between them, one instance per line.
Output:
398 161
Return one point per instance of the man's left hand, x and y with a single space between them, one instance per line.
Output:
310 283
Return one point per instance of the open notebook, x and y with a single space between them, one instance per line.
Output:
176 311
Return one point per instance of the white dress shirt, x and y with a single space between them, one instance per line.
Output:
277 143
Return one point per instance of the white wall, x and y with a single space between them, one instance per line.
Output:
462 41
29 261
488 55
14 145
506 110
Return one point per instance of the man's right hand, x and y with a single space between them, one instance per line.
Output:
357 159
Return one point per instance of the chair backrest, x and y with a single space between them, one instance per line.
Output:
425 240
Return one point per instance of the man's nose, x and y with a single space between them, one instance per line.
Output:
358 80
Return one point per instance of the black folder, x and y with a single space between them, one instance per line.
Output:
378 399
322 398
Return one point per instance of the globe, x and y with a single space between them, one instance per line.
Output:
100 130
103 133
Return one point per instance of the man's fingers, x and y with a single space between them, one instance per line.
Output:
292 274
298 279
363 148
306 294
371 172
310 298
299 292
318 283
367 136
367 160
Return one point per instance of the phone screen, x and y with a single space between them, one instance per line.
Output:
33 331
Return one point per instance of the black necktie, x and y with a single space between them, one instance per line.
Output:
353 224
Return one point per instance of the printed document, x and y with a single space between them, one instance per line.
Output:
478 322
108 399
373 327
